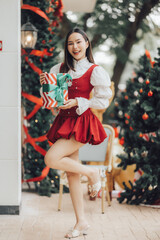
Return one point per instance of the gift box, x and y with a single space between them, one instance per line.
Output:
55 89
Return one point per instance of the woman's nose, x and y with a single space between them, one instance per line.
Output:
75 45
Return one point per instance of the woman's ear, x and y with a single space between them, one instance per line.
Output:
87 44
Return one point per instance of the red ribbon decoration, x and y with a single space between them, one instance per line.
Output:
33 66
33 141
36 10
44 173
149 57
34 111
32 98
38 52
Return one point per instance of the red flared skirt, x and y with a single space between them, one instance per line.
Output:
86 128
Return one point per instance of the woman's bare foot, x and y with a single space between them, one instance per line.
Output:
95 181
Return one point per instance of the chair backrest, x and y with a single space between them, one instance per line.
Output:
97 153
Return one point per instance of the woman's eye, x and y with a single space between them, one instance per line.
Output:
79 42
70 43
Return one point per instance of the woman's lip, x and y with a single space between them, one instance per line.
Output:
76 53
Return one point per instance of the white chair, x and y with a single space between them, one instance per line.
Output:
95 153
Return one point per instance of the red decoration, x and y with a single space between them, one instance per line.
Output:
146 136
145 116
0 45
149 57
116 132
141 90
140 135
51 49
131 128
34 67
36 10
150 93
126 97
121 140
147 81
126 122
57 12
37 53
127 116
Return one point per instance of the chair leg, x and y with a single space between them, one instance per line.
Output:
60 197
103 194
110 183
108 195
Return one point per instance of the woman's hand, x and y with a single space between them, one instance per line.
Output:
42 77
69 104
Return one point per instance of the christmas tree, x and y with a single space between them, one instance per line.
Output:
138 112
45 15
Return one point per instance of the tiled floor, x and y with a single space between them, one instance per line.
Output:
40 220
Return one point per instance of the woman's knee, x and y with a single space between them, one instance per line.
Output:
50 160
72 174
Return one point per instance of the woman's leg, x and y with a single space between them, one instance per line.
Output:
57 157
76 193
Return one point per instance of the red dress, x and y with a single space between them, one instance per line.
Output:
86 127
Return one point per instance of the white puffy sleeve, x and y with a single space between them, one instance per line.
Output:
55 69
101 92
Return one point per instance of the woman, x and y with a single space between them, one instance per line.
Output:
75 124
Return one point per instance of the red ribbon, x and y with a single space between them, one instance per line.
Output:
36 10
149 57
44 174
38 53
33 66
33 141
32 98
34 111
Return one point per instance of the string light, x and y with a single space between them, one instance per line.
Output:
36 120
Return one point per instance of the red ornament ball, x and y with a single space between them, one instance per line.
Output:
126 122
126 97
150 93
140 135
141 90
131 128
147 81
145 116
121 140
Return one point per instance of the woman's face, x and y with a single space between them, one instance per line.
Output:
77 46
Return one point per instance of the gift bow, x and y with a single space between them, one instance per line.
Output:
56 91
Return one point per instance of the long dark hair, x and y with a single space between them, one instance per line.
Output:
68 59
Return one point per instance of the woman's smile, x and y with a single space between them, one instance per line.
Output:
77 46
